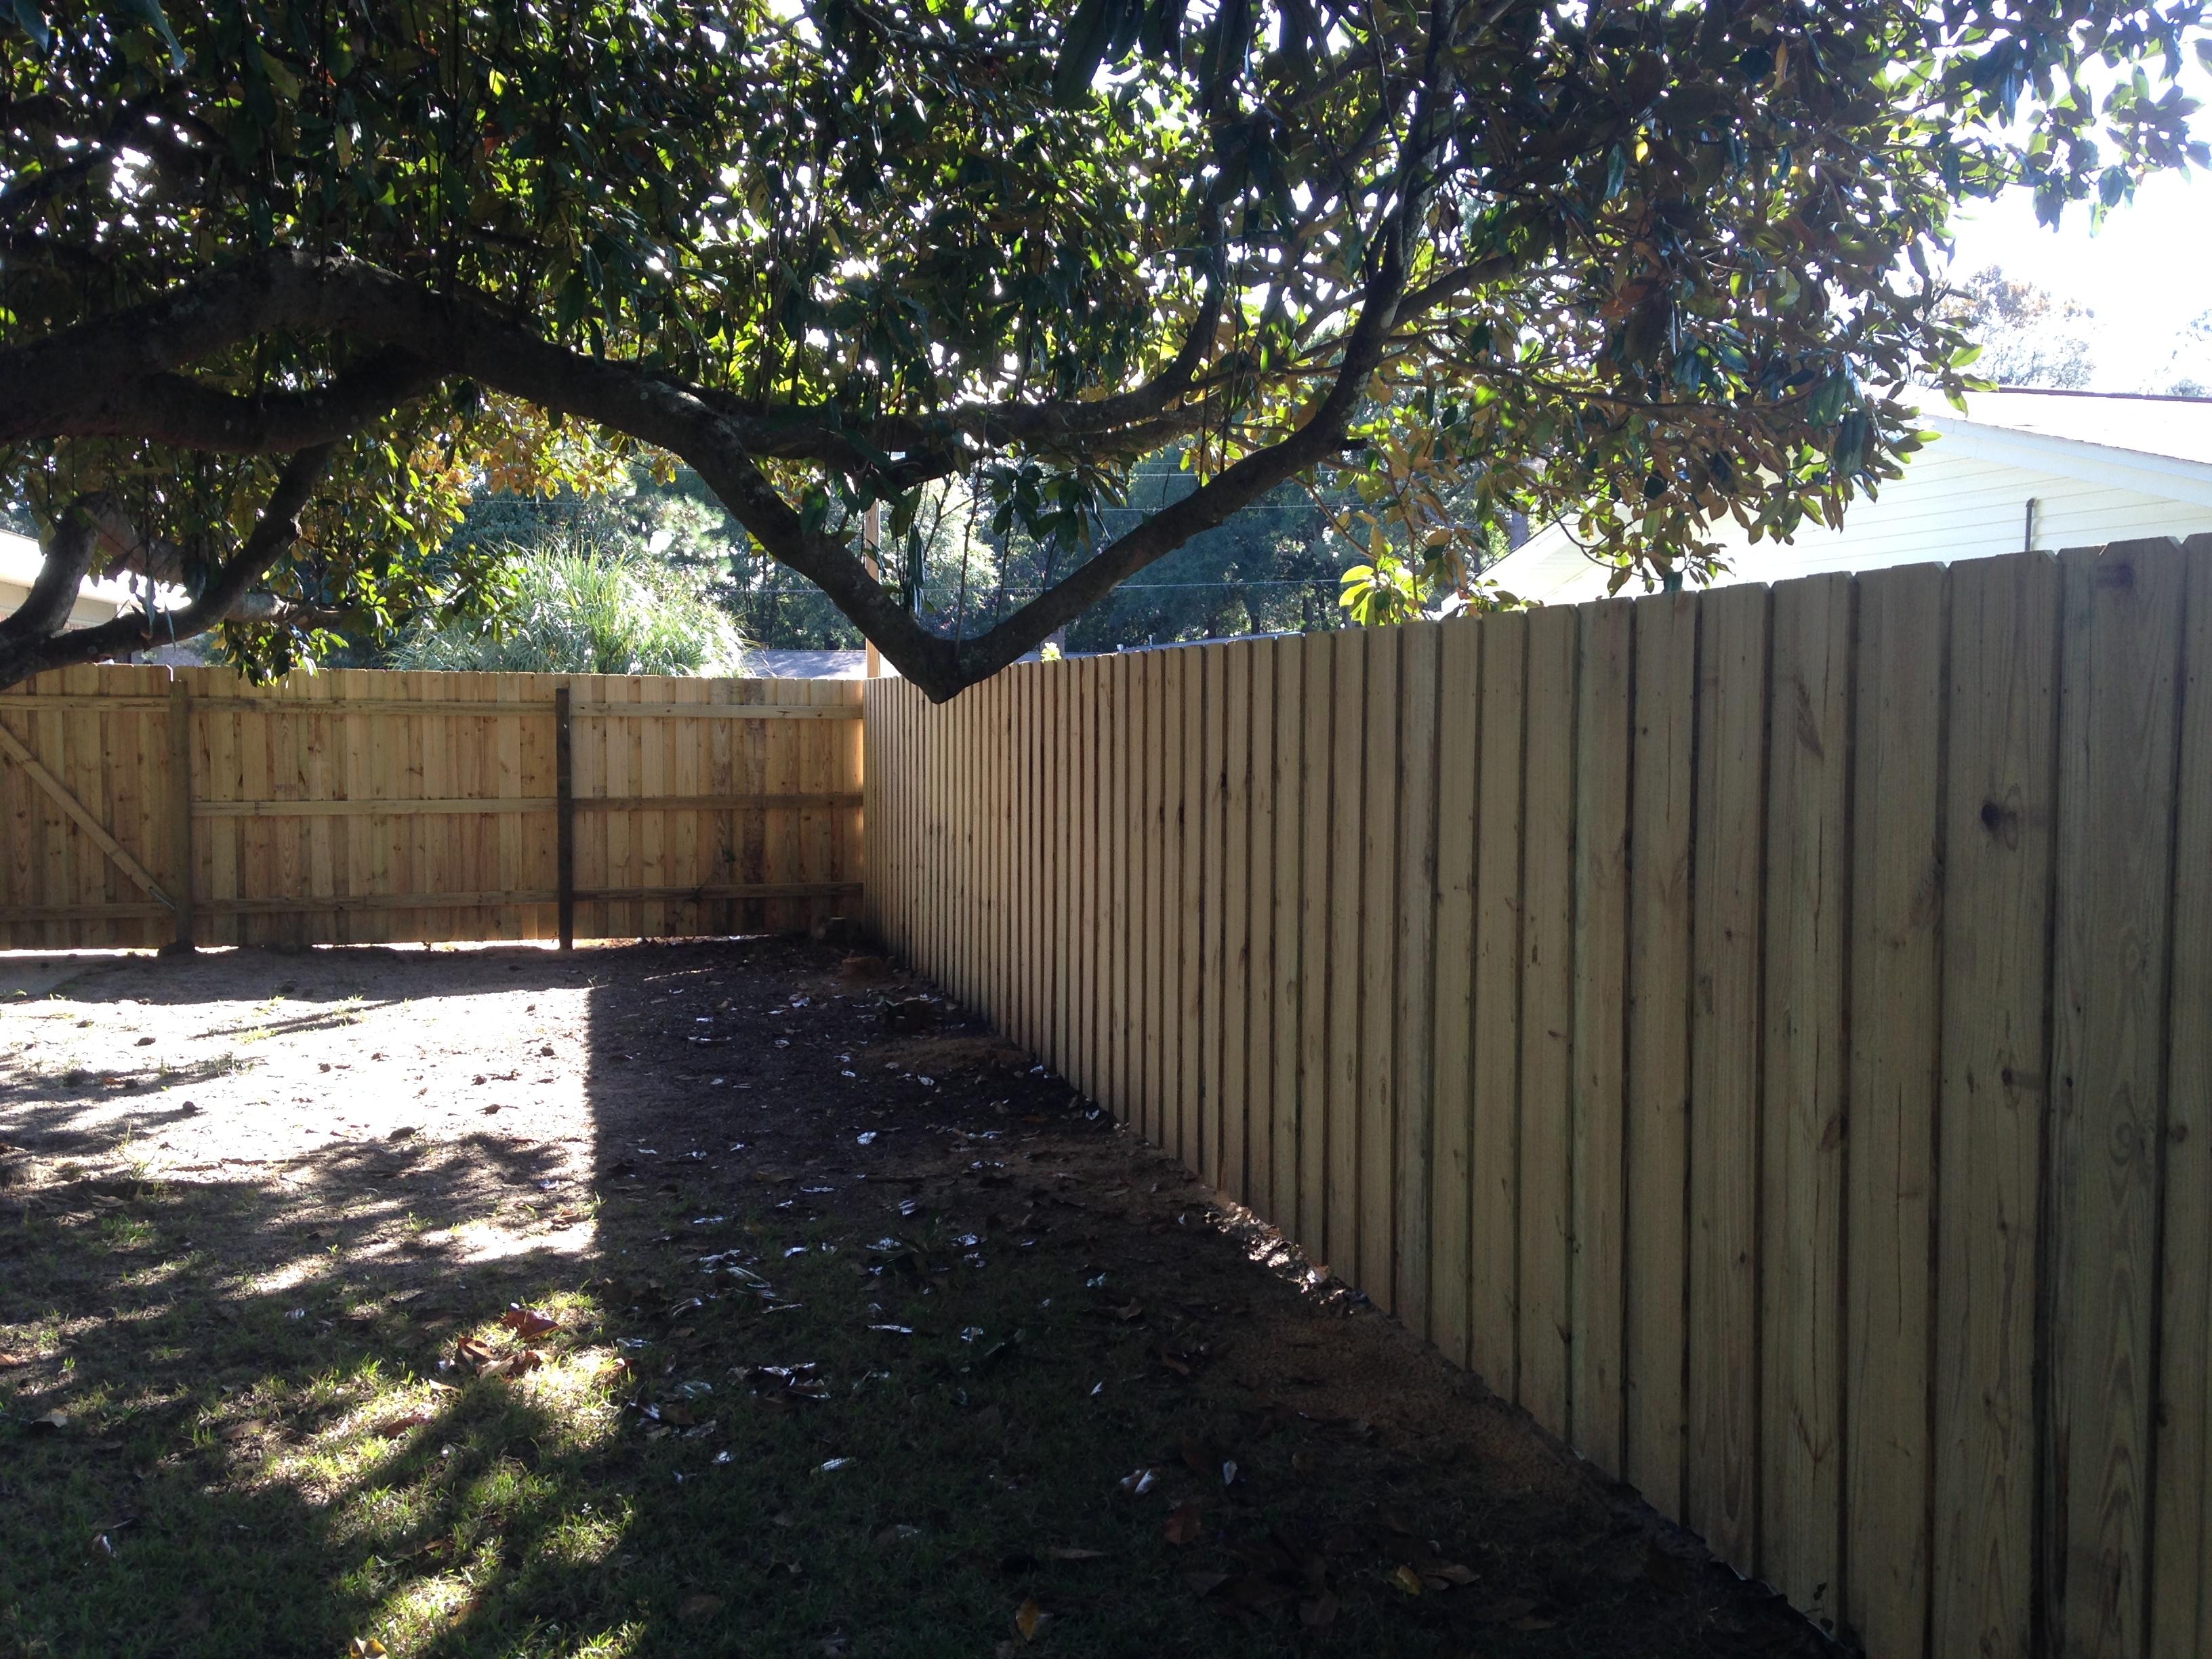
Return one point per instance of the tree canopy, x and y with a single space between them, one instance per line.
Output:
280 280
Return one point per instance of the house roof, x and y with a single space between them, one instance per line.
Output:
21 559
2101 447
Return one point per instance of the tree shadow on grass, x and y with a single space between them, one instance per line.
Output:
852 1354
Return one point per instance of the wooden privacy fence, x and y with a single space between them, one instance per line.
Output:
1767 1033
142 805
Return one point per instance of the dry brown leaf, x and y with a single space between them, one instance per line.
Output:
1077 1555
526 1322
1028 1618
693 1608
521 1363
392 1427
1183 1526
1407 1580
52 1421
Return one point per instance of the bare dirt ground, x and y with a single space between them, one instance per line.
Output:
718 1297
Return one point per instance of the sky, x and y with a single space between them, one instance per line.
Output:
2146 272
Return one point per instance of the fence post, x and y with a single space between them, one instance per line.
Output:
181 882
565 818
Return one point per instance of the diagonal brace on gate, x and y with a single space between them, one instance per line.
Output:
12 746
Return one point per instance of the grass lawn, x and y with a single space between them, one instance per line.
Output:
699 1300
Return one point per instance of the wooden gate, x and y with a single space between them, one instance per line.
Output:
146 806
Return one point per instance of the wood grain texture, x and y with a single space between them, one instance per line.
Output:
1347 802
1190 713
1543 1301
1285 891
1804 1123
2116 750
1897 928
1235 909
1654 1351
1722 1500
1261 992
1416 943
1377 1200
2181 1526
1494 1132
1318 814
1451 1188
1604 725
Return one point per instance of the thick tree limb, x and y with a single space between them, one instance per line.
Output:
172 409
33 640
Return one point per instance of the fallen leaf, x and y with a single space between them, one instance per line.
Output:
693 1608
1077 1555
527 1322
365 1647
392 1427
1407 1580
521 1363
1140 1482
52 1421
1027 1618
1183 1526
1318 1611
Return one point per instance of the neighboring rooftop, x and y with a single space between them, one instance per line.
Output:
2149 424
836 664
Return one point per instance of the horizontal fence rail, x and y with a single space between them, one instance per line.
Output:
146 805
1766 1033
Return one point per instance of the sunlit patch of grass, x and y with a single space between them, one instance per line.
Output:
123 1233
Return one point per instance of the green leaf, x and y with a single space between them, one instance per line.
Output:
32 23
1089 33
148 12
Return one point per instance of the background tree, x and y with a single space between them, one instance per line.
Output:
591 612
280 279
2027 337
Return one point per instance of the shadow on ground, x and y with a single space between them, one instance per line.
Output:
839 1341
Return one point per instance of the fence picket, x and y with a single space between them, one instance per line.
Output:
2181 1570
1542 1302
2117 751
1803 1121
1605 715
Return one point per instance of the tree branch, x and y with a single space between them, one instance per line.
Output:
31 641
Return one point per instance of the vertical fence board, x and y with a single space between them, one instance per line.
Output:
1656 1244
1214 669
1191 713
2116 717
1543 1302
1234 907
1317 812
1451 1186
1416 941
1721 1498
1804 1123
1494 1150
1604 723
1378 970
1895 962
1347 806
1285 876
2181 1530
1260 1109
1153 664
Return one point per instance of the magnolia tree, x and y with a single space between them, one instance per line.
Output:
282 280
